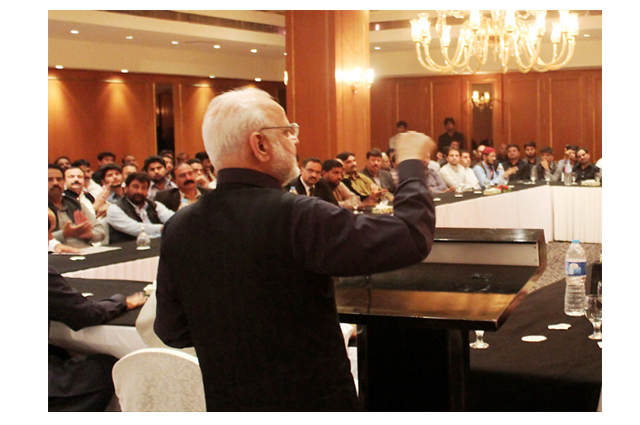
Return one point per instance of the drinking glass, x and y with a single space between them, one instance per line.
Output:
600 290
574 176
593 311
598 176
479 343
547 176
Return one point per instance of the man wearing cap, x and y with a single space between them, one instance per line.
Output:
486 170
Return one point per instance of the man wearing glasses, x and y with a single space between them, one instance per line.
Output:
245 274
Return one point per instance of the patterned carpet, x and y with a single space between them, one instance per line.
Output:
555 260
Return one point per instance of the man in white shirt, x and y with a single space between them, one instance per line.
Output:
455 175
127 216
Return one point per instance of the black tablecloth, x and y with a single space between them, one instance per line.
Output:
127 252
104 288
563 373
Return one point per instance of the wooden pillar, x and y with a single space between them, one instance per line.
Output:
334 115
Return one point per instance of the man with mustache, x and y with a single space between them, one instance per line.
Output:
127 216
309 182
75 225
187 191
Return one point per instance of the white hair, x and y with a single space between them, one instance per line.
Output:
231 118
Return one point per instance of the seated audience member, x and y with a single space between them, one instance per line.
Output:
548 165
477 157
455 175
62 162
185 194
358 183
309 181
486 171
127 217
373 170
501 153
129 159
104 158
515 168
569 156
585 170
90 186
209 171
181 158
386 162
75 225
81 383
433 179
128 169
332 173
112 190
531 159
198 172
74 188
168 165
154 166
401 127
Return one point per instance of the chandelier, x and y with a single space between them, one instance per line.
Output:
508 34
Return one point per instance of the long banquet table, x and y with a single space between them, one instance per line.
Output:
563 212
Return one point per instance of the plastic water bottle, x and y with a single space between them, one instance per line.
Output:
575 267
567 173
500 173
293 190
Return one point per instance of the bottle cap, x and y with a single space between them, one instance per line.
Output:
575 241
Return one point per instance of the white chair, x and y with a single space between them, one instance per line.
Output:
159 380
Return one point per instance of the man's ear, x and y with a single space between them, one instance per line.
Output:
260 146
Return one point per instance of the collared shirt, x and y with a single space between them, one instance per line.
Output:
587 173
125 224
184 201
486 175
360 184
434 181
153 188
454 175
344 196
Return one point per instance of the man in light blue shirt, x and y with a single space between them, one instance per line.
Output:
486 171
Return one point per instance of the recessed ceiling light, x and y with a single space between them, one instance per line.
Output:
258 79
285 53
129 37
376 48
175 42
75 32
254 50
124 71
216 46
586 35
59 67
212 76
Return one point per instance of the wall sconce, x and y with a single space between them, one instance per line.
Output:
356 78
286 78
481 102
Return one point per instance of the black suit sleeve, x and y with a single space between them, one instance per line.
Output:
68 306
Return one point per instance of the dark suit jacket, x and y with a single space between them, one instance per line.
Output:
321 190
170 198
386 179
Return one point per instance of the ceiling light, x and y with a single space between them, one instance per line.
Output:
285 53
124 71
129 37
216 46
376 48
75 32
175 42
212 76
59 67
258 79
254 50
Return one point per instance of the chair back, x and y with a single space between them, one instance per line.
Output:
159 380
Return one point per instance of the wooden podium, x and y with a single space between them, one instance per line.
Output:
414 323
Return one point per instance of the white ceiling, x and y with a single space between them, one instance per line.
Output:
110 29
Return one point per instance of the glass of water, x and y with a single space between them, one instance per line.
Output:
479 343
593 311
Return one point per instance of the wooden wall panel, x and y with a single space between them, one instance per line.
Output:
524 106
193 103
447 100
383 118
410 105
568 111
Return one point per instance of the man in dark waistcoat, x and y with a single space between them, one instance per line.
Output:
187 191
245 274
127 216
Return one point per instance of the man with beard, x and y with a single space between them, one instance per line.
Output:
127 217
486 171
112 191
187 191
585 170
515 168
309 182
155 166
332 173
74 188
75 225
244 274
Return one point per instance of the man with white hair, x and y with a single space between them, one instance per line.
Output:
245 274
